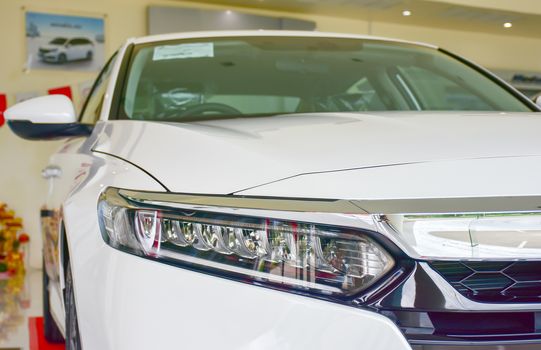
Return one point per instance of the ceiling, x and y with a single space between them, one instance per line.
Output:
437 13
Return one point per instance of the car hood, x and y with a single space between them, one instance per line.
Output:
338 155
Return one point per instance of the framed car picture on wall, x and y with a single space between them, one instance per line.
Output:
64 42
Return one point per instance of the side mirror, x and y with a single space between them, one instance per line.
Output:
45 118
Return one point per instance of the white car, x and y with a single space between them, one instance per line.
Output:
291 190
62 50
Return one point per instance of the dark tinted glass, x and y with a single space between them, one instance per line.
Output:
81 41
249 76
58 41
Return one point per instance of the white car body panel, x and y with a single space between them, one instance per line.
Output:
247 149
471 178
58 110
95 172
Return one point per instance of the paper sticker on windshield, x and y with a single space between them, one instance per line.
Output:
195 50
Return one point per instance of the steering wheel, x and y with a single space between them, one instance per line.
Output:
219 108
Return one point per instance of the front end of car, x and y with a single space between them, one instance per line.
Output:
49 53
424 274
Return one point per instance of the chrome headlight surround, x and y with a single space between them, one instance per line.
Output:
296 256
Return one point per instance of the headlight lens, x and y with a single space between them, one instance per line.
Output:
513 235
287 254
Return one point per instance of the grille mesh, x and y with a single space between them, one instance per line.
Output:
489 281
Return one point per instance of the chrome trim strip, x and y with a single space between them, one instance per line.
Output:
349 206
409 92
244 202
452 205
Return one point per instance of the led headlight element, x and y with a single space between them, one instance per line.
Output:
298 255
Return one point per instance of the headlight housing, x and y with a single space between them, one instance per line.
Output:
302 256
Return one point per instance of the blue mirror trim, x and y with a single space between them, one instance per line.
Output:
32 131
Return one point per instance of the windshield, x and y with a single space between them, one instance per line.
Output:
58 41
251 76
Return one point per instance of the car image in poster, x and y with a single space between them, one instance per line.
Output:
63 42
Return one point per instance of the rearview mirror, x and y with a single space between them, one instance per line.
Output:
45 118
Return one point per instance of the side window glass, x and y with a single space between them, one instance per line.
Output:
438 92
363 96
92 107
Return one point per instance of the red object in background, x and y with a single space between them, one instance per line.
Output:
24 238
3 107
64 90
37 339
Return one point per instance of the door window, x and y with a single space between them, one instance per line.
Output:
443 92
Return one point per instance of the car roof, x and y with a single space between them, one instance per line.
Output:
263 33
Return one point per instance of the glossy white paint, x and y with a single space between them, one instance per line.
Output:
93 174
51 109
288 154
434 179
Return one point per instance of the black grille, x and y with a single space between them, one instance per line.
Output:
494 281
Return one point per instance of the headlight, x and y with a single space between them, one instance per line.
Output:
498 235
287 254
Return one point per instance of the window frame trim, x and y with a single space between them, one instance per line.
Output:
495 79
120 83
93 88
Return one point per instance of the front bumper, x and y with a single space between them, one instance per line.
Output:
119 296
48 56
168 306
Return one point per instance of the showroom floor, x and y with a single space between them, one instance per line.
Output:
16 307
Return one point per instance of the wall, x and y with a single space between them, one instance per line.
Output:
524 6
20 184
